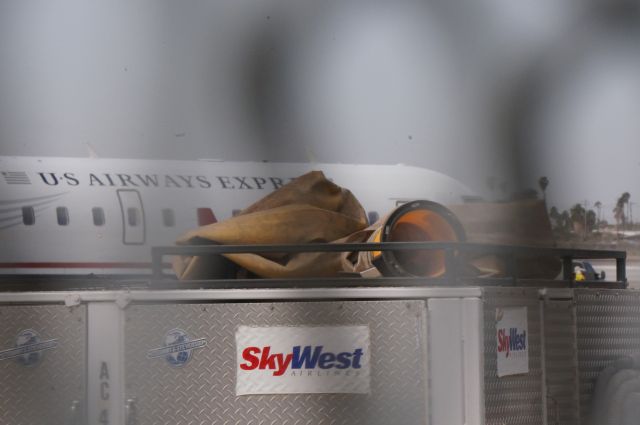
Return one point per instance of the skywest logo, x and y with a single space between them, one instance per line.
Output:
308 357
512 341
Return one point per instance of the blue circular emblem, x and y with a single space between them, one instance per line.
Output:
177 348
26 339
180 355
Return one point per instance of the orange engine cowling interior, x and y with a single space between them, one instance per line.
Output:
418 221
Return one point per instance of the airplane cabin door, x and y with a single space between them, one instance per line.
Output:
133 221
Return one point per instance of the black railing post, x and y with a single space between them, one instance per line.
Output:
456 255
451 265
621 274
156 261
567 267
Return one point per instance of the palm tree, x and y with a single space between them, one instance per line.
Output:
578 219
598 206
543 182
591 220
577 213
618 210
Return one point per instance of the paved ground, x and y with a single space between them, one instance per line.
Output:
609 266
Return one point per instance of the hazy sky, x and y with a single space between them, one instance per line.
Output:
585 125
435 83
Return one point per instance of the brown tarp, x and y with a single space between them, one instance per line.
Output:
310 209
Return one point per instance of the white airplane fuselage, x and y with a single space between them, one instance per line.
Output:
77 215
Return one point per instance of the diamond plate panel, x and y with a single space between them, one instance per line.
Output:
515 399
203 391
608 327
561 363
43 393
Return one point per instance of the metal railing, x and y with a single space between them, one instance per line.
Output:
455 252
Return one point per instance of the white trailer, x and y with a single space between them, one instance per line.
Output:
430 354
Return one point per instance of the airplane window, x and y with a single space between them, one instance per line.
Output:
373 216
62 213
133 216
168 217
206 216
28 216
98 216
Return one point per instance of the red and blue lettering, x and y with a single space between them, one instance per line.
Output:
308 357
512 341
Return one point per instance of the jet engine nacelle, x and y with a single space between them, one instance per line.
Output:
416 221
